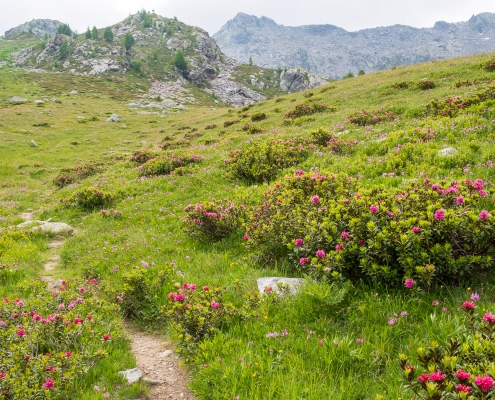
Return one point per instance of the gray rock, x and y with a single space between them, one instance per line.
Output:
17 99
73 92
297 80
449 151
169 103
30 224
132 375
54 227
32 143
181 107
38 102
55 100
114 118
272 282
37 27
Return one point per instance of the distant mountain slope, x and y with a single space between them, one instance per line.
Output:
330 51
38 27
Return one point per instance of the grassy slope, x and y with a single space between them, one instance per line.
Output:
151 230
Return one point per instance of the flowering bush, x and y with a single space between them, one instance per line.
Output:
426 84
251 128
51 340
463 368
89 198
321 136
301 110
402 85
261 162
143 156
363 117
197 313
210 126
488 65
386 235
111 213
166 164
452 105
226 124
211 220
67 176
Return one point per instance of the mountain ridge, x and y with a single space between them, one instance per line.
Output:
331 51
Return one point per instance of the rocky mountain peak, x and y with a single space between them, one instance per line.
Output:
37 27
330 51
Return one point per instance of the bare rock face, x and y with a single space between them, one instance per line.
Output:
297 80
330 51
38 27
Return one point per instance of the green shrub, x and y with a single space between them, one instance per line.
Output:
261 162
51 340
210 126
67 176
462 368
226 124
377 234
197 313
307 109
321 136
363 117
402 85
89 198
259 116
426 84
179 61
251 128
488 65
211 220
164 165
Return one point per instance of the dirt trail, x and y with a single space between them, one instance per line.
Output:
160 365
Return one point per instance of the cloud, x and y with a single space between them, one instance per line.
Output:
211 15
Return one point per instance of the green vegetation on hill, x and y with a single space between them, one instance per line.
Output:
345 186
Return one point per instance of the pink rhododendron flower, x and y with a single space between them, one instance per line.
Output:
459 200
205 288
478 184
475 297
214 304
439 214
299 242
339 247
303 260
485 383
409 283
21 333
482 193
462 375
48 384
489 317
315 199
468 305
374 209
415 229
437 376
423 378
484 215
320 254
463 389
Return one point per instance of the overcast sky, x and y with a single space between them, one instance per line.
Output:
212 14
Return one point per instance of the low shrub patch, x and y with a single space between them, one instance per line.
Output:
363 117
259 116
226 124
306 109
89 198
453 105
251 128
212 220
402 85
488 65
426 84
143 156
164 165
67 176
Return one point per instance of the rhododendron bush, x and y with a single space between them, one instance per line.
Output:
462 368
329 225
51 339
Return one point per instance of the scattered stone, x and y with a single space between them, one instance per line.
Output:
132 375
114 118
166 353
30 223
17 99
38 101
272 282
73 92
169 103
181 107
54 227
55 100
32 143
449 151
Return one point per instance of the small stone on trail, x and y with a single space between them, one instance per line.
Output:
166 353
132 375
32 143
114 118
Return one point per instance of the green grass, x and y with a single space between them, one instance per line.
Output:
151 227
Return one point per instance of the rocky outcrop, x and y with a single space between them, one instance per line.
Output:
330 51
38 27
297 80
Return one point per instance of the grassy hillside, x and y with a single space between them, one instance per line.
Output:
341 336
